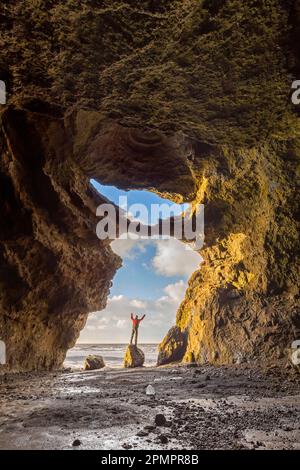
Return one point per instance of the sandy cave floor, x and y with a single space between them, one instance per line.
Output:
232 407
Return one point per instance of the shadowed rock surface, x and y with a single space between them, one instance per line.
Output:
189 99
53 267
93 362
134 357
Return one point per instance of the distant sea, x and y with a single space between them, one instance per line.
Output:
113 354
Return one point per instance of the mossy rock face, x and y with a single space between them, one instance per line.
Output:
134 357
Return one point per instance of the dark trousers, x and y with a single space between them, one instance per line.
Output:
134 333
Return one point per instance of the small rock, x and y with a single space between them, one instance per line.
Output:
160 420
76 443
126 446
287 428
149 427
150 390
142 433
163 439
93 362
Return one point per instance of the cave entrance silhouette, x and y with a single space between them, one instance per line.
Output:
152 281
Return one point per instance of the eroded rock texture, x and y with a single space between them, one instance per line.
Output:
188 98
54 270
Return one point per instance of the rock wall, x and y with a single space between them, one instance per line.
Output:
243 304
54 270
188 98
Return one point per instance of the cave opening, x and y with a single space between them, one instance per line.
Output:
151 281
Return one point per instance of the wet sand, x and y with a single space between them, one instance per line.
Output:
206 407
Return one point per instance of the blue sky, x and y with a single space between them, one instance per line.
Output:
152 280
147 198
138 275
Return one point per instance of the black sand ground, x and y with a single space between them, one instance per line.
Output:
206 408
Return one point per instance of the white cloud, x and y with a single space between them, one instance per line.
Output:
138 303
101 323
175 258
129 249
116 298
114 325
120 323
172 258
175 292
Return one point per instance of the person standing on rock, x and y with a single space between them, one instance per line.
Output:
135 327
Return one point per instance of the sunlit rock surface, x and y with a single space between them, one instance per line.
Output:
134 357
173 346
189 99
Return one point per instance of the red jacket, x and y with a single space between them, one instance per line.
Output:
136 321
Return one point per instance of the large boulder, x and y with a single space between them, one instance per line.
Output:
134 357
93 362
173 346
